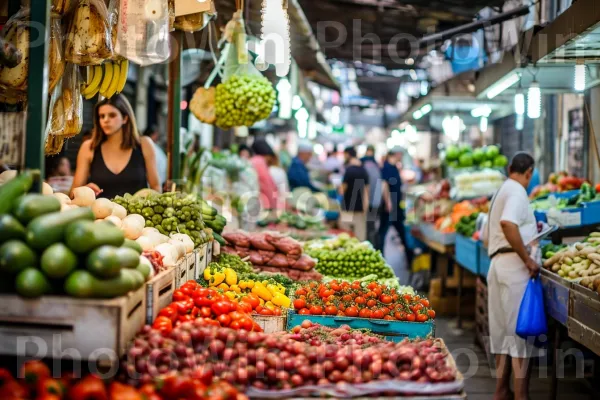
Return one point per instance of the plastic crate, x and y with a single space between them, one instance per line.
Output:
394 331
484 261
540 216
467 253
591 213
412 242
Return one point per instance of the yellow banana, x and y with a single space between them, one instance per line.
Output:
108 75
112 89
94 86
123 75
90 75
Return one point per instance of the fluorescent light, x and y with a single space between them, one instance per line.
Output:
420 113
520 122
580 77
284 97
452 127
296 103
520 103
534 101
503 84
483 124
483 111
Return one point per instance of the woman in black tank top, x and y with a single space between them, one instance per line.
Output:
115 160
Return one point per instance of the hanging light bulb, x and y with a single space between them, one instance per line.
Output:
520 102
483 124
580 77
520 122
534 101
275 36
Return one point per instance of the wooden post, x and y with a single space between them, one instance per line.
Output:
37 86
174 107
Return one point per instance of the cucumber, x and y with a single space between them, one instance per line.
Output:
144 269
82 284
85 236
104 262
136 276
11 228
15 188
128 258
31 206
132 244
31 282
50 228
15 256
219 239
58 261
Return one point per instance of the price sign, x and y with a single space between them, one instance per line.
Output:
186 7
12 138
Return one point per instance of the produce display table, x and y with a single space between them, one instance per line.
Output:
447 253
459 396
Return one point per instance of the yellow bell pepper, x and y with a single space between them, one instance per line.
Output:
230 295
261 301
230 276
261 291
281 300
281 288
249 284
242 284
223 286
235 288
270 305
207 274
273 289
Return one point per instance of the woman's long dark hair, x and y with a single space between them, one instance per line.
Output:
131 136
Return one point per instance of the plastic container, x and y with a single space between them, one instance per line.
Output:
484 261
467 253
540 216
412 242
394 331
591 213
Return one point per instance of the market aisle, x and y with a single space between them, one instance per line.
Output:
471 360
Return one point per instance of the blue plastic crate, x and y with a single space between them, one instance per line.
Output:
484 261
394 331
591 213
412 242
467 253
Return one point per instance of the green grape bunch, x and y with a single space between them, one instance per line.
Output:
243 100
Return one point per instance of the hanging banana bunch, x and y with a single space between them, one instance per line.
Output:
106 79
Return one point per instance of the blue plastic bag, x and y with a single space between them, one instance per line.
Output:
532 314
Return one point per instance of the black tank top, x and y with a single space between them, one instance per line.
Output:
130 180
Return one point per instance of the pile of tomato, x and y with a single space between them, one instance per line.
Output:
192 301
356 299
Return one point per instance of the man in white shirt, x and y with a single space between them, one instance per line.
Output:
511 226
161 156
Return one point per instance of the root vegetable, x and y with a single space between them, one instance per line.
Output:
133 225
116 221
119 211
102 208
83 196
63 198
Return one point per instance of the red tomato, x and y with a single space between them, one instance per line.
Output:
356 285
331 310
360 300
378 314
299 303
266 311
186 318
371 303
163 324
372 285
224 320
431 314
205 312
301 292
422 317
251 299
425 302
244 307
277 311
236 315
335 286
351 311
388 318
170 312
365 313
410 317
400 316
246 323
316 310
385 299
222 307
211 322
235 325
184 307
179 295
188 288
304 311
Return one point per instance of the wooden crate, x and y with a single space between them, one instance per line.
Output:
191 266
159 293
209 251
584 317
57 326
201 258
271 323
181 273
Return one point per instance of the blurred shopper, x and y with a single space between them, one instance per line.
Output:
298 174
393 213
161 156
268 191
280 179
375 196
285 159
59 174
511 226
355 193
244 152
